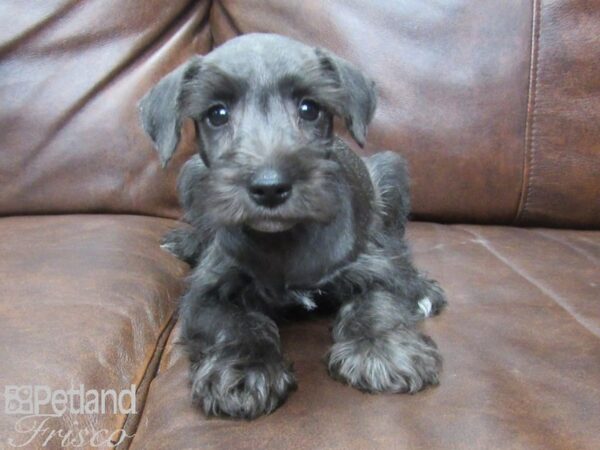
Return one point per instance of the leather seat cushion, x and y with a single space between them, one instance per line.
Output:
521 341
86 300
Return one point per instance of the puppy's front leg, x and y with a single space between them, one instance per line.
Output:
377 348
237 366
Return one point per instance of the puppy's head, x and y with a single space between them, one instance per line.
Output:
263 106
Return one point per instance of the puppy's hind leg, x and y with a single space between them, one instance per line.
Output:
183 242
389 175
433 300
188 241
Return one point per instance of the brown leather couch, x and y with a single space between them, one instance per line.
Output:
496 105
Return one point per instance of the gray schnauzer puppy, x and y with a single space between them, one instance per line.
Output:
283 213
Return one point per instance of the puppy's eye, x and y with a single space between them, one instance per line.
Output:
218 115
309 110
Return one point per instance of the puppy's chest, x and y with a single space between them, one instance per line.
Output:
291 269
300 262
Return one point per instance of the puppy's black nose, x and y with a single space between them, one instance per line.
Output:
270 188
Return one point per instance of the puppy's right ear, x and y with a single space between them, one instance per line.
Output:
161 109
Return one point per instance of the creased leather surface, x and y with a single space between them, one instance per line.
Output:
71 74
452 80
494 107
562 177
83 300
521 341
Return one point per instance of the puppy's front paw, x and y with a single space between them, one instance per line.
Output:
240 389
400 360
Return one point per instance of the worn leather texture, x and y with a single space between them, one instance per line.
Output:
494 104
83 300
71 74
562 166
452 85
521 340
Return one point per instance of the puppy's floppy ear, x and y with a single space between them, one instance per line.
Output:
360 98
161 109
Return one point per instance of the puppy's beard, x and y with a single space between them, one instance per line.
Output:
270 225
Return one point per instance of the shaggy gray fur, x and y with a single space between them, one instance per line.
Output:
284 214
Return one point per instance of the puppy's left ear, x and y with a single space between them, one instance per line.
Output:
161 109
359 96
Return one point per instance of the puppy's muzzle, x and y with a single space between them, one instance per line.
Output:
270 188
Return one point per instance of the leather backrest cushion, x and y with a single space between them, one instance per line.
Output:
484 142
494 104
71 74
562 176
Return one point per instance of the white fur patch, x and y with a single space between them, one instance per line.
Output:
425 306
168 248
305 299
308 302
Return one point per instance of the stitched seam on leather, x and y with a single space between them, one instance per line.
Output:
211 34
556 298
530 144
131 421
230 20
